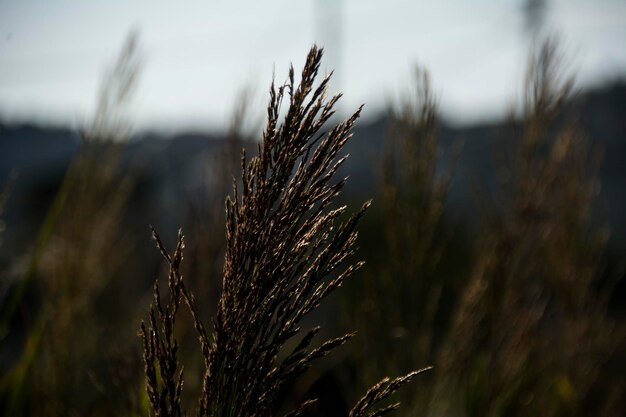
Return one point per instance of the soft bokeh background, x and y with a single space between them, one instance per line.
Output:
495 247
53 52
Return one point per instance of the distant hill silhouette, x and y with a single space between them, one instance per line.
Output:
170 167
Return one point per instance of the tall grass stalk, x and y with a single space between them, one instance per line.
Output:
287 250
414 178
540 332
80 248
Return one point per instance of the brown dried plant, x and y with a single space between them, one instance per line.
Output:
80 250
286 251
205 243
413 183
531 333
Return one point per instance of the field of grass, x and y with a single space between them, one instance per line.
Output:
514 320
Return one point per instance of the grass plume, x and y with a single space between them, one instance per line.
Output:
536 292
287 249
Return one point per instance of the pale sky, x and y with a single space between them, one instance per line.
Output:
199 54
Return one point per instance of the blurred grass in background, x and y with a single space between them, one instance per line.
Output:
515 318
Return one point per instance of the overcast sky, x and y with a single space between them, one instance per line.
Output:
199 54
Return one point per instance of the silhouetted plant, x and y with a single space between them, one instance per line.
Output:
414 179
286 251
531 331
79 251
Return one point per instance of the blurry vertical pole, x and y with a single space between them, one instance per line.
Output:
535 12
329 24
